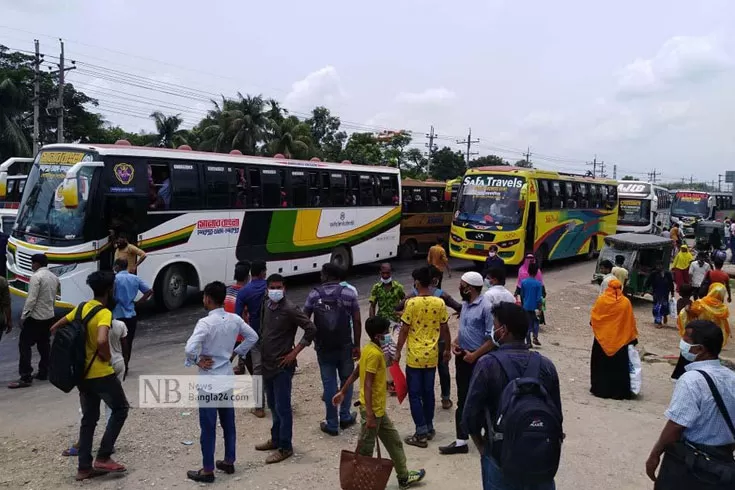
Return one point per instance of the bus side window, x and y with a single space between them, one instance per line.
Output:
218 180
569 196
367 189
314 187
435 199
241 187
299 189
612 197
272 197
544 194
418 200
185 186
556 202
353 190
584 202
389 189
325 196
603 196
255 189
594 202
338 182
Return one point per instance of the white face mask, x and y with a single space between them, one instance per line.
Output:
275 295
491 254
492 336
684 348
386 281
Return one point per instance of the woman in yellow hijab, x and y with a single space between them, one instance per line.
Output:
713 308
613 324
680 266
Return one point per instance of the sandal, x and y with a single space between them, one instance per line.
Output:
109 466
72 451
417 441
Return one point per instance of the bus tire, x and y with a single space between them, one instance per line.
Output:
341 257
407 250
592 252
171 287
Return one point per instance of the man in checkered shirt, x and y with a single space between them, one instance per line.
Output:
694 417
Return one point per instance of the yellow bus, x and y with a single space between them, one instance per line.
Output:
426 215
551 214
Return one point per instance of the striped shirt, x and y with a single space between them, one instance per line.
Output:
693 406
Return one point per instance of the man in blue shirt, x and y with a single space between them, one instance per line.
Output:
127 287
248 305
531 291
472 342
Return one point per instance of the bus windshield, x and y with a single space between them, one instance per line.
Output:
689 204
42 213
491 200
634 211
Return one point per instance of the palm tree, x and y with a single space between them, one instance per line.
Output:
13 140
169 135
291 138
249 123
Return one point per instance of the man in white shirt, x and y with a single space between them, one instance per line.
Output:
210 347
36 321
697 272
606 270
496 291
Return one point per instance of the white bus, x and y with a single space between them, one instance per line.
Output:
197 214
642 206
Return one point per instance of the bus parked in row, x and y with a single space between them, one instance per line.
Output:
641 206
426 215
688 207
196 214
550 214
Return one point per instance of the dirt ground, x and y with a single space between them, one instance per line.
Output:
606 446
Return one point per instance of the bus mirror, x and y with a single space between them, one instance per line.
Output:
3 184
70 193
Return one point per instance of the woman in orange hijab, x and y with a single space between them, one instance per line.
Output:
613 324
713 308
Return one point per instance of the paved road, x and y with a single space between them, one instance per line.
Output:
159 329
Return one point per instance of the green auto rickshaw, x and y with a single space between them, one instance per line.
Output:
707 232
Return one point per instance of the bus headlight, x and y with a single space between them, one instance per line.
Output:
62 269
509 243
11 259
456 238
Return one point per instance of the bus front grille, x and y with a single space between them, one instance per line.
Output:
24 261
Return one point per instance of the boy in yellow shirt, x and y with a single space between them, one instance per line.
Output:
373 396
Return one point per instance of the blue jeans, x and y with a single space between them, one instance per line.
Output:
533 326
335 365
492 478
421 397
278 396
208 426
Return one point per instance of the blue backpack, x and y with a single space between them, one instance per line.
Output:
528 425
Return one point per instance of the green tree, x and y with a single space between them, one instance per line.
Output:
240 124
524 164
628 177
13 140
168 133
488 161
326 137
447 164
363 149
291 138
416 166
394 143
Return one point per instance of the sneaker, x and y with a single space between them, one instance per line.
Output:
413 478
417 441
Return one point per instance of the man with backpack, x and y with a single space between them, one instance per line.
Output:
514 398
337 318
97 381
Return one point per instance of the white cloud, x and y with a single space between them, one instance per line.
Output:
321 87
429 96
681 60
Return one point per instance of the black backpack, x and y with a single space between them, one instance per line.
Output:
332 320
528 426
68 352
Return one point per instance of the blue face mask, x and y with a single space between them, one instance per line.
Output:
684 348
385 339
275 295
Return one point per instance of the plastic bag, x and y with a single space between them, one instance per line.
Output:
635 370
672 307
399 381
658 317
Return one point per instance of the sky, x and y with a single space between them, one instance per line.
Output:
643 86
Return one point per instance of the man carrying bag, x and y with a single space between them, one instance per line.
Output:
698 439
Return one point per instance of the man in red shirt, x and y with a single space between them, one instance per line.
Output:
718 275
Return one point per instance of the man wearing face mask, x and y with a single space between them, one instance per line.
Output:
701 419
493 261
472 342
279 321
496 291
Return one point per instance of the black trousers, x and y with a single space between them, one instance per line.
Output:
441 278
91 392
34 332
132 324
463 375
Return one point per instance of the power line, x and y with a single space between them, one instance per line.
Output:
469 142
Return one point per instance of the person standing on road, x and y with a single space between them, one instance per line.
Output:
336 314
493 261
531 292
614 328
489 380
373 398
496 291
701 419
6 314
241 277
661 283
675 234
210 347
248 305
36 319
680 267
607 276
424 322
127 287
100 382
523 271
472 342
619 271
280 319
386 295
438 258
132 254
697 272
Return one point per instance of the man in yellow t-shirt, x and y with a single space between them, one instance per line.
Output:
100 382
424 322
129 252
373 399
438 258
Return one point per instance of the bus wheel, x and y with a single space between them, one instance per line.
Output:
341 257
171 288
407 250
592 253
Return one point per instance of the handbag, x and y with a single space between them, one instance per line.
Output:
358 472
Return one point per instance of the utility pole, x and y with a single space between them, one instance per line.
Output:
528 154
602 169
58 104
36 97
431 135
594 167
469 144
615 171
719 182
652 176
